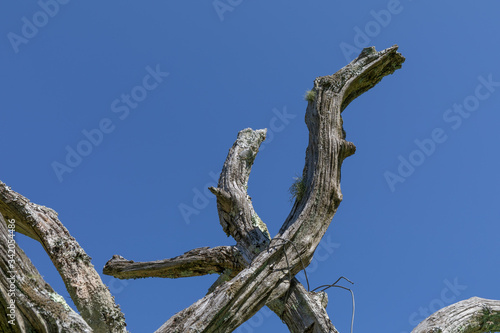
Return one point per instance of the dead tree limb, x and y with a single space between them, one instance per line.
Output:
473 315
28 303
267 278
197 262
91 297
300 311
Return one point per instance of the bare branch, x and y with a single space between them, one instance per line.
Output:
28 303
236 213
474 315
91 297
197 262
239 219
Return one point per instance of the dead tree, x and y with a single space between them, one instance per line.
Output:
257 271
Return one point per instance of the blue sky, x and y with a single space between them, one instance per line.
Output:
418 228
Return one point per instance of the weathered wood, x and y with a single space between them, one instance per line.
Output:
268 276
238 218
28 303
303 311
474 315
300 311
236 213
257 271
197 262
91 297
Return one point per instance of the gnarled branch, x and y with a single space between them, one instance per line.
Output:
91 297
266 279
197 262
299 311
28 303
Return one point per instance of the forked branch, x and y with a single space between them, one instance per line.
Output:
267 278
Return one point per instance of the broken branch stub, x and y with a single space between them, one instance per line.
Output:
197 262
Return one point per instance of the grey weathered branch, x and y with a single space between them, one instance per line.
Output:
303 311
196 262
28 303
474 315
299 310
266 279
91 297
236 213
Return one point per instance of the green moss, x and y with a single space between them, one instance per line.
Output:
490 321
310 95
226 276
298 188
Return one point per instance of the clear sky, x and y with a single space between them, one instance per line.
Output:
119 115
